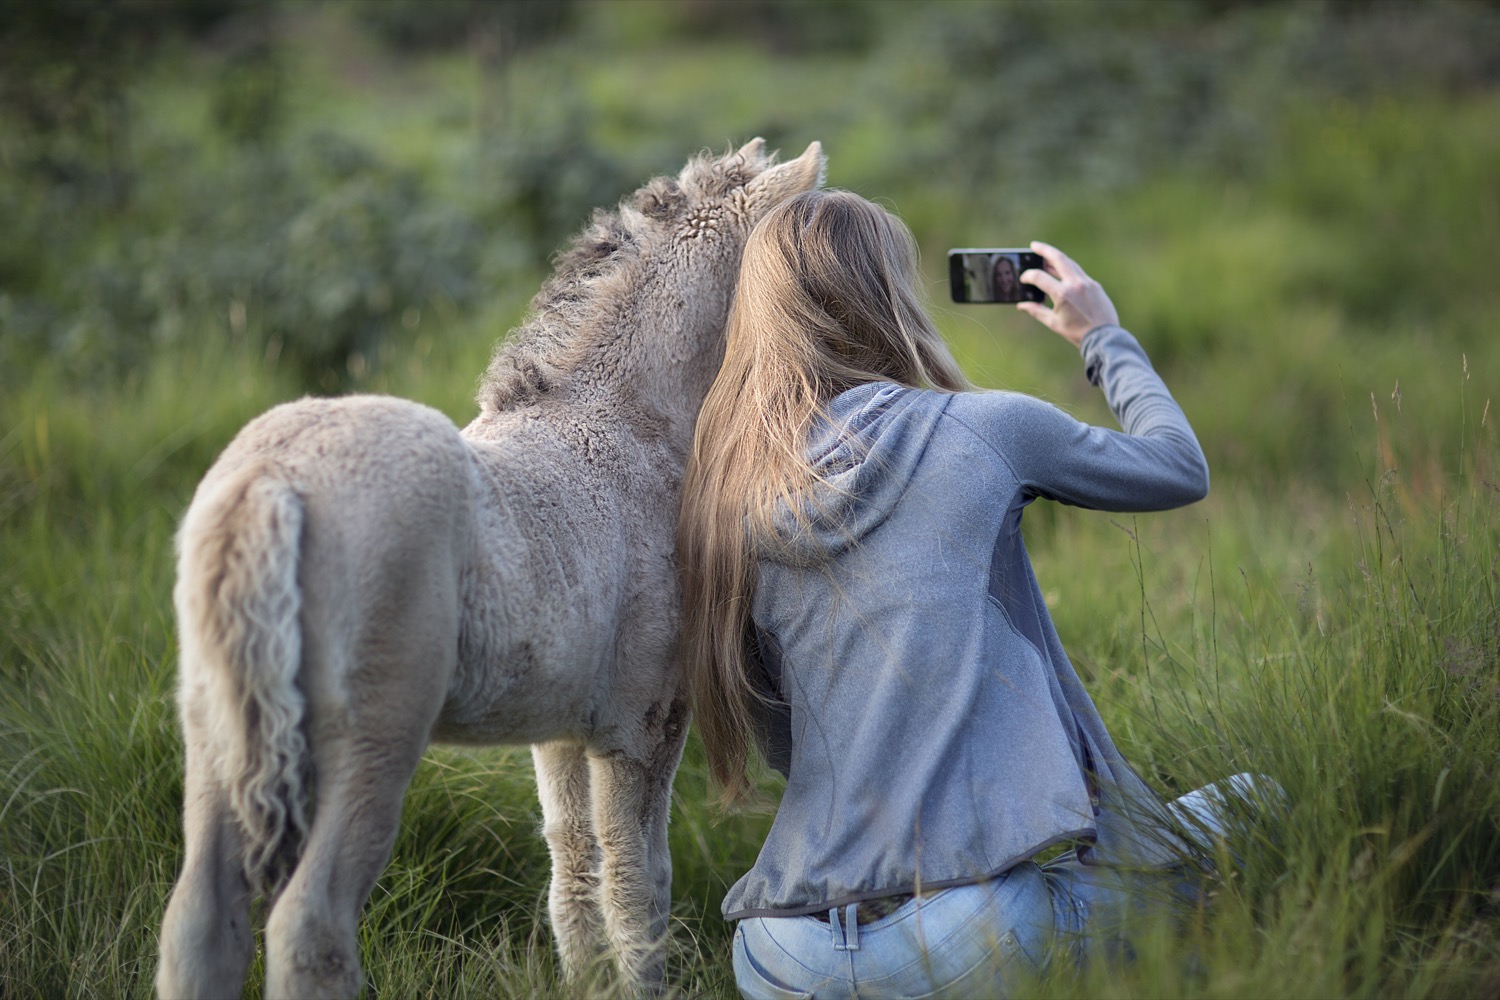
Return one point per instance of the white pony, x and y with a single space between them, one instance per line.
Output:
357 577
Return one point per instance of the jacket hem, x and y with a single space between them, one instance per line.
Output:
1087 834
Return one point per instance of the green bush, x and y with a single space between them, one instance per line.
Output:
316 254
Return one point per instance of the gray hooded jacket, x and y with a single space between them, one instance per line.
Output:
931 728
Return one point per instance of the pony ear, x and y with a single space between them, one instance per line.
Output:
778 183
753 151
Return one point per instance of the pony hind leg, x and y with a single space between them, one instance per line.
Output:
206 943
311 934
632 799
368 723
563 785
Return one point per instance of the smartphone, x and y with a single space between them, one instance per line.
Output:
993 274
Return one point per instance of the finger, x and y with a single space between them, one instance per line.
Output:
1064 265
1046 282
1038 312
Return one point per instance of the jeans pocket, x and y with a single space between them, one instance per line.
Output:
983 941
1027 920
755 982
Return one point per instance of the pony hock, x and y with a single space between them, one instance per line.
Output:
357 578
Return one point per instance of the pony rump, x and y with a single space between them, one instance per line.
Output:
826 300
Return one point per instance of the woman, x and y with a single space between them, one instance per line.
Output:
1005 281
860 605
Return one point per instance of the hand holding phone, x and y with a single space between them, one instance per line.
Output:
1079 303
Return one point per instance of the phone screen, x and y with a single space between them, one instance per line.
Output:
992 274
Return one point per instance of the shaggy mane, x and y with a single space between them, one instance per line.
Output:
587 278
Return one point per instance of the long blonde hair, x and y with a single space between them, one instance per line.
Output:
827 300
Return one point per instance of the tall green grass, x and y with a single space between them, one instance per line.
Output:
1349 647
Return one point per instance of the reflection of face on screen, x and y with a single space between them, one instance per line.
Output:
1005 278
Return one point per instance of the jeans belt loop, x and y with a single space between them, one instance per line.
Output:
846 931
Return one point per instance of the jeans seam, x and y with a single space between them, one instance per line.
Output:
953 933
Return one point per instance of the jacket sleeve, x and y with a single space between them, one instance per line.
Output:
1154 463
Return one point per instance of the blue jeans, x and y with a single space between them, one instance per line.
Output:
985 940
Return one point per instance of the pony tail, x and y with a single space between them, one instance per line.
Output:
238 608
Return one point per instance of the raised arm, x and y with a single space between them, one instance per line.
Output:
1156 463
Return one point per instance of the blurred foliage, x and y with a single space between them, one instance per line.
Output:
249 104
416 25
1040 98
319 251
784 27
65 68
182 169
542 181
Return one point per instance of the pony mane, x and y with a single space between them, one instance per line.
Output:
592 277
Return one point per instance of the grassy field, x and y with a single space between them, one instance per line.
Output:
1329 616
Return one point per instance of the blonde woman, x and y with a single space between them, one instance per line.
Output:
860 607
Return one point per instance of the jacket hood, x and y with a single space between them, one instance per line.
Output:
865 450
